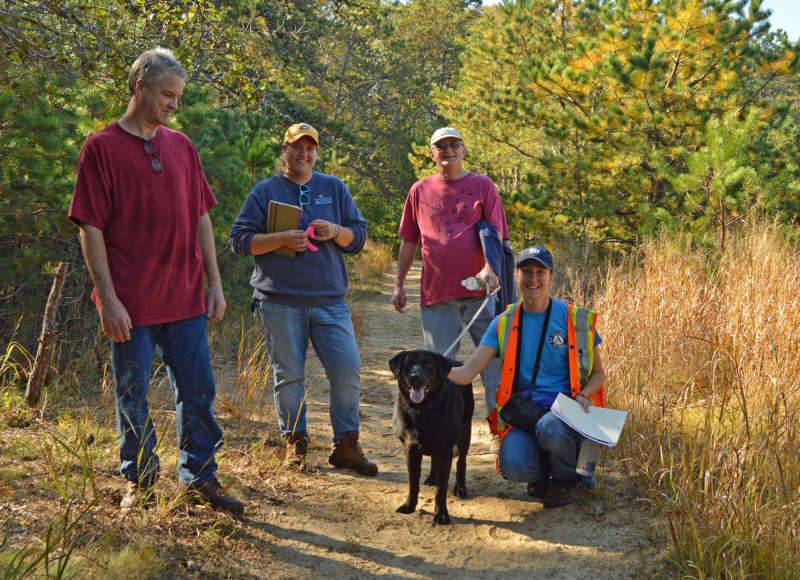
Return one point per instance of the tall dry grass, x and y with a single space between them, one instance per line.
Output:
702 349
365 272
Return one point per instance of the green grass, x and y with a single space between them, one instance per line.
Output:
143 559
20 447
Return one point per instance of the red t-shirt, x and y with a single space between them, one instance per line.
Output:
442 216
150 220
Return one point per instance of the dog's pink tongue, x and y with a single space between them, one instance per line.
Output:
417 395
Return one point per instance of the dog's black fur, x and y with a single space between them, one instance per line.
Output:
431 416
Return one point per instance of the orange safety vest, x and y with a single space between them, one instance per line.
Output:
580 341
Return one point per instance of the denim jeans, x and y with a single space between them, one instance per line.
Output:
551 452
442 323
330 329
183 347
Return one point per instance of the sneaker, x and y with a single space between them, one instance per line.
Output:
538 489
558 496
212 493
494 445
296 450
136 495
347 453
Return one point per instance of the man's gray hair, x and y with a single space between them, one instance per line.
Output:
151 65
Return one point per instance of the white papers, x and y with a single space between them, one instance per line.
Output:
600 425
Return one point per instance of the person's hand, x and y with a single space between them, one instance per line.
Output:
324 230
489 279
399 298
215 304
295 240
583 400
115 320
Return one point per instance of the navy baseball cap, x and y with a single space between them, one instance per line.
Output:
541 255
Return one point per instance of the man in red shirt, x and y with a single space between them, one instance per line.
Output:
441 214
141 201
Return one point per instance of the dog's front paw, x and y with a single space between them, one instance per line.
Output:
406 508
460 491
442 518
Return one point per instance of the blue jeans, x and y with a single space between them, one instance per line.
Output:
183 346
551 452
288 330
442 323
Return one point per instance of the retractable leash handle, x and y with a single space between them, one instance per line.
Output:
489 295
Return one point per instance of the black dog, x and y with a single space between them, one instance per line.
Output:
431 416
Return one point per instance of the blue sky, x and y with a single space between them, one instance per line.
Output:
785 15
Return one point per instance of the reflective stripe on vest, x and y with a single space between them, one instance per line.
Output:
583 325
505 337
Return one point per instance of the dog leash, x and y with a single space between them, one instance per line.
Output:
471 322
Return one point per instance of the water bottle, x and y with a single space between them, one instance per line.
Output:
472 283
587 458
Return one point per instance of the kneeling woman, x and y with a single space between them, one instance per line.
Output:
553 348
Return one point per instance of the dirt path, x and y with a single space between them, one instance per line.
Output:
338 524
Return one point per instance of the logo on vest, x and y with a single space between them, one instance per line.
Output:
558 339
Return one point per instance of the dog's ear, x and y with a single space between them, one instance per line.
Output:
445 364
454 363
396 363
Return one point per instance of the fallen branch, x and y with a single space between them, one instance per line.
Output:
36 378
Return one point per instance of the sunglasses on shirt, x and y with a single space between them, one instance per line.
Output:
154 162
305 197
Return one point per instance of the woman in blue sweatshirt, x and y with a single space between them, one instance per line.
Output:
303 297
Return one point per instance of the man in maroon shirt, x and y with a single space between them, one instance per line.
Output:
141 201
440 215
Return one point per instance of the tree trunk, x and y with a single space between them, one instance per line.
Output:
36 378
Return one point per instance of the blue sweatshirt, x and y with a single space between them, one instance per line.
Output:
310 278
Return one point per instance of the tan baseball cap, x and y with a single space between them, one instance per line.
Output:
299 130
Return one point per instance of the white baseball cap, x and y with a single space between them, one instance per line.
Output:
444 133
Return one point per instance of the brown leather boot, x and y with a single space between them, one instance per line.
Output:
347 453
213 494
296 449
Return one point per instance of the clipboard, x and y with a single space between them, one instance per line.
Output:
280 218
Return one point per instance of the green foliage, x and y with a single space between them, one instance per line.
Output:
720 184
361 72
585 110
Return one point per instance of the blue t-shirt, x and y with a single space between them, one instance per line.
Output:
553 375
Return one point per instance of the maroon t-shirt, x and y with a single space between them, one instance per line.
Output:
442 215
150 220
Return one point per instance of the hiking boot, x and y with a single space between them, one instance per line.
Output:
296 450
212 493
558 496
347 453
538 489
134 495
